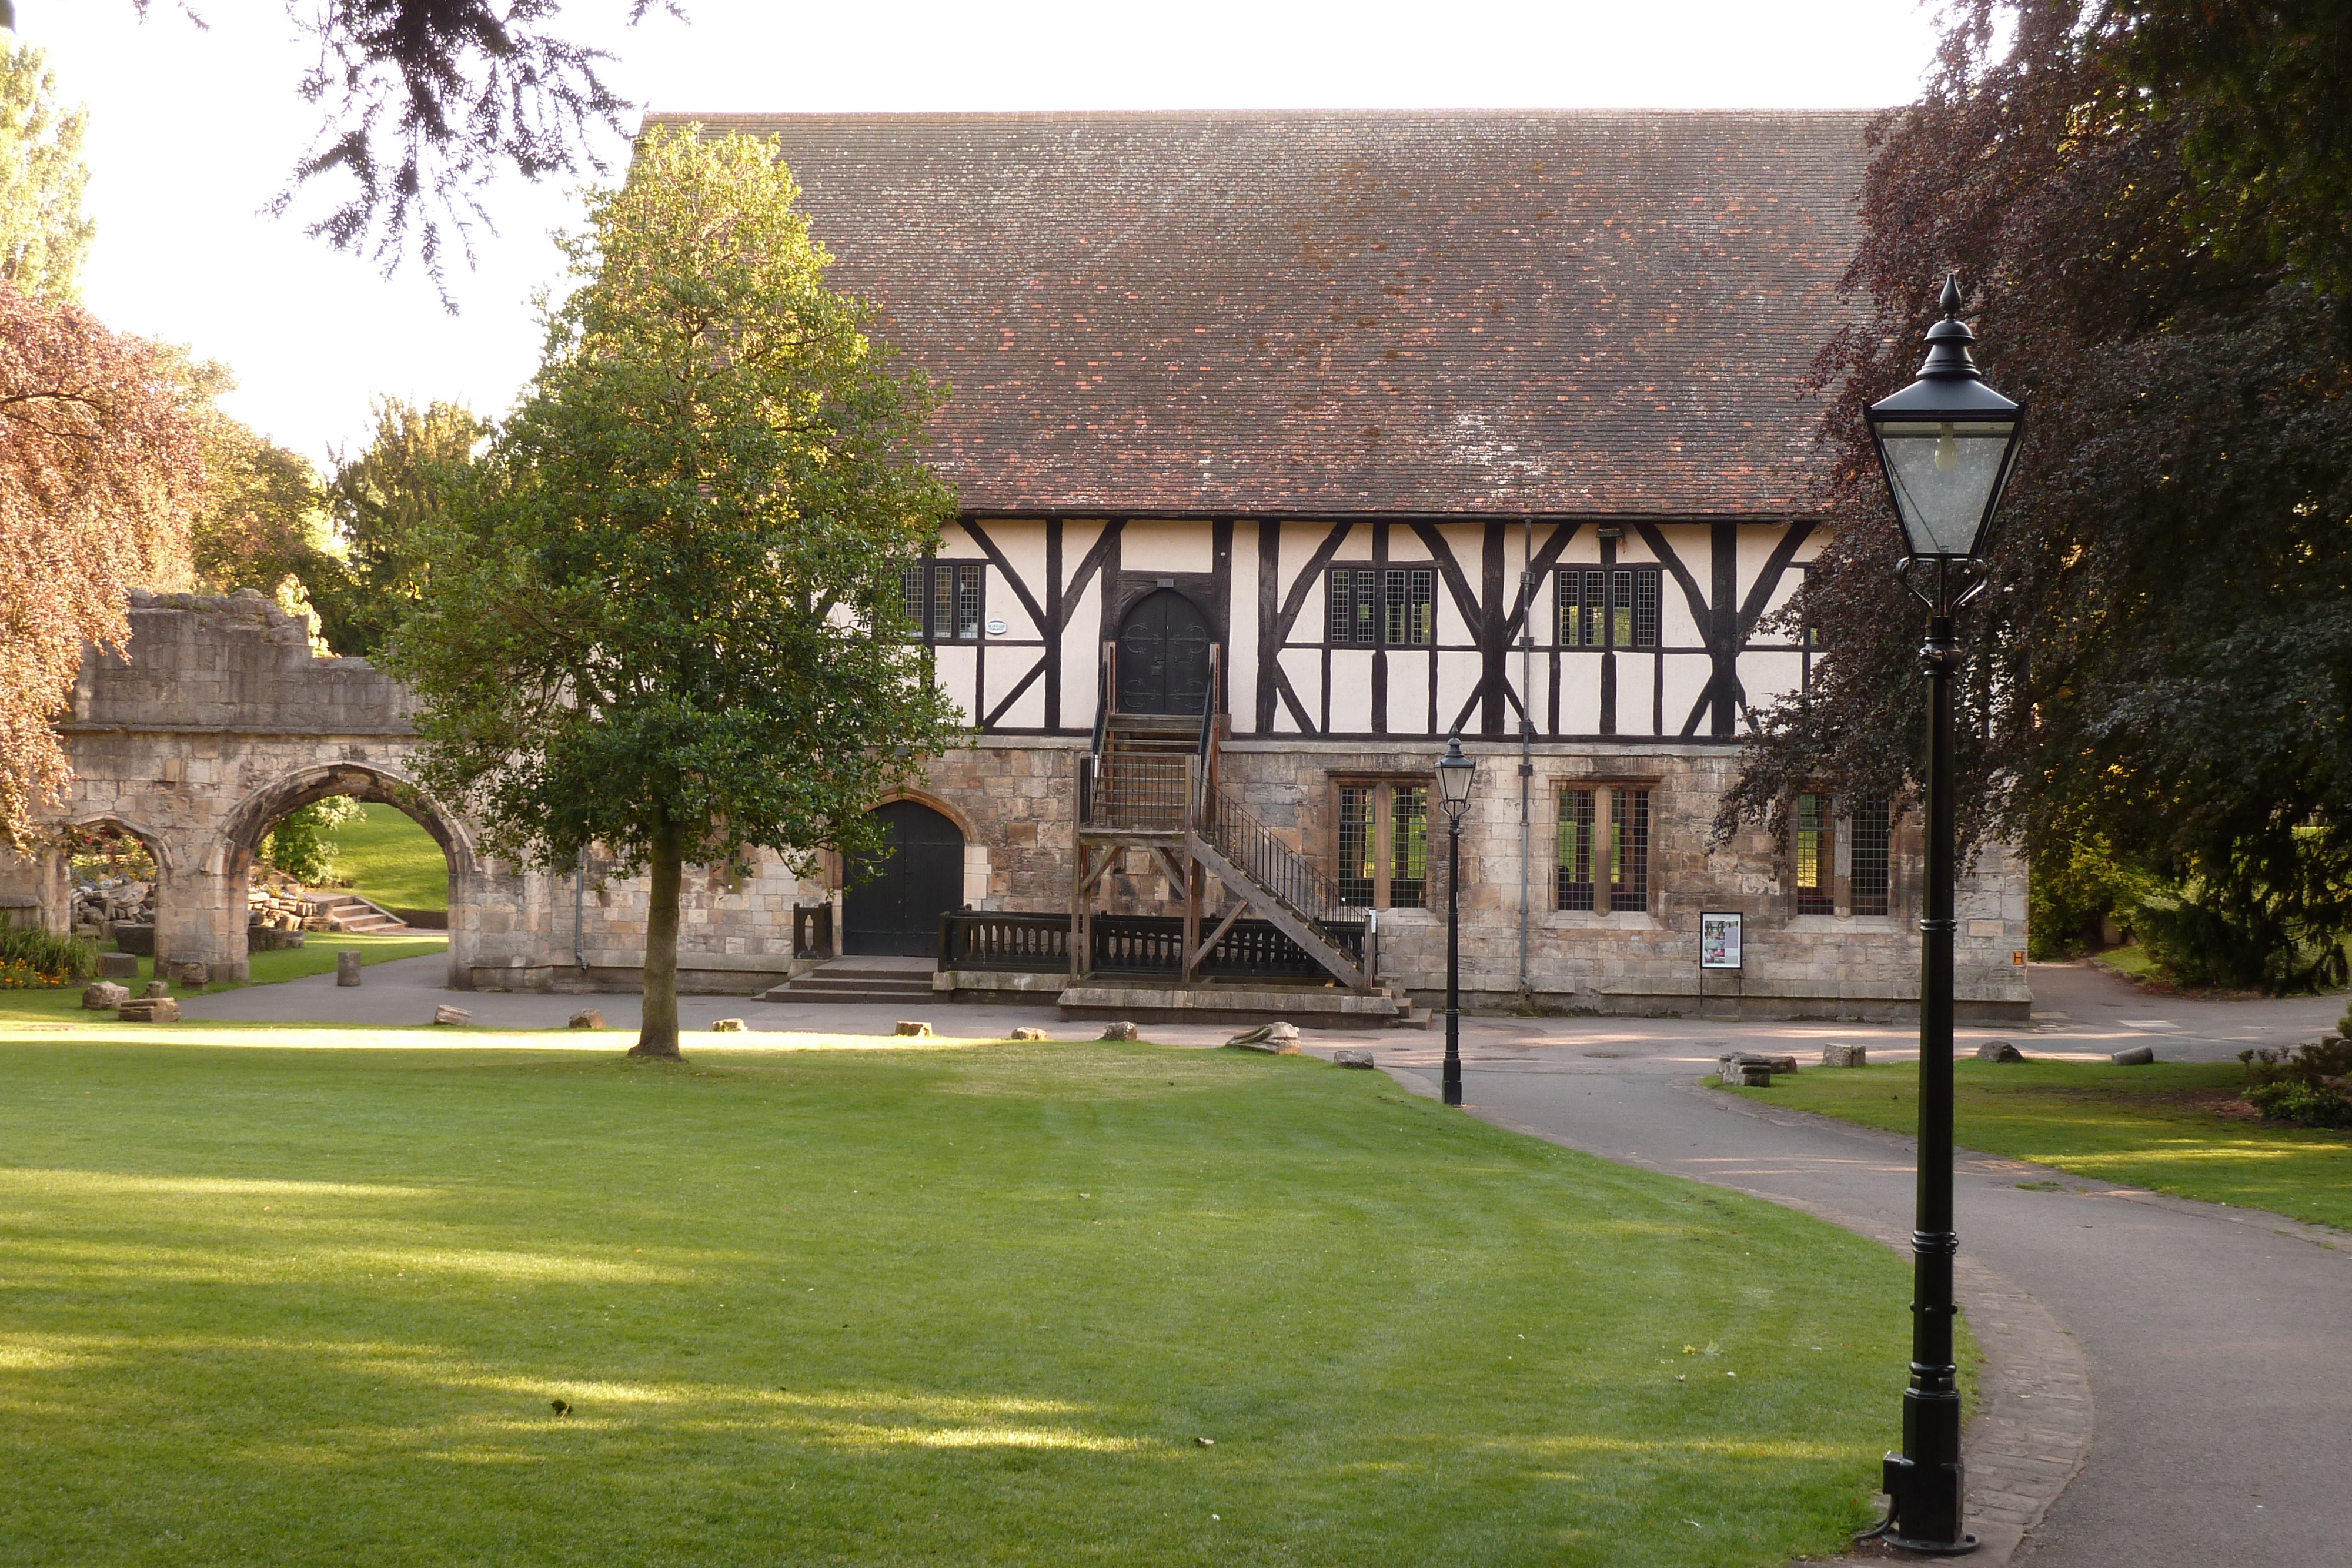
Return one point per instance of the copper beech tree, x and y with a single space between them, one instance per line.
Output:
664 617
98 471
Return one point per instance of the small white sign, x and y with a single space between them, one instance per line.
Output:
996 628
1718 940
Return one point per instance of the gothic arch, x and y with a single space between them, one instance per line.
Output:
265 807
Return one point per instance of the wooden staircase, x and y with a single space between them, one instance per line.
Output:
1151 781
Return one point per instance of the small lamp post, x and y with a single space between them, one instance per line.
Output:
1947 443
1454 772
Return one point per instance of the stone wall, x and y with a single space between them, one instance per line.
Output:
221 721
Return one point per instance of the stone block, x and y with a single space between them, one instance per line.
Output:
587 1018
449 1015
1348 1056
1842 1054
912 1027
1999 1050
1274 1038
193 973
156 989
347 968
105 995
1025 1032
134 939
2137 1056
727 1026
156 1010
118 966
1119 1031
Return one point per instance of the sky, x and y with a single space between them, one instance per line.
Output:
193 133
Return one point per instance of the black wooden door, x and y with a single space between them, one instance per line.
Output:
1163 656
919 879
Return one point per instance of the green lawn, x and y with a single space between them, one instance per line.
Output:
315 956
386 857
2152 1126
941 1305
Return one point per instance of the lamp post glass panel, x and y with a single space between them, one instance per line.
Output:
1454 772
1947 443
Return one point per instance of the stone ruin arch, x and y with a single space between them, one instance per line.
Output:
219 719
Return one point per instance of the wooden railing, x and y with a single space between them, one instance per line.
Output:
1133 944
813 930
1026 944
1273 864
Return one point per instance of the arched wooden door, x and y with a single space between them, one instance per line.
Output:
1163 656
921 878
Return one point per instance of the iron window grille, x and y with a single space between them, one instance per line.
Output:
1575 869
1393 607
1384 845
1607 607
946 601
1870 854
1629 850
1816 891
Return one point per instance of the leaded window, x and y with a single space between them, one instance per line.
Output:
1394 607
1384 845
1574 876
1815 850
1629 850
946 600
1870 853
1607 607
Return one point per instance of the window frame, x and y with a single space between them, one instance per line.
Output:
1373 840
1814 842
1400 611
921 596
1627 617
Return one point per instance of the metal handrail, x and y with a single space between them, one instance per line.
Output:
1273 864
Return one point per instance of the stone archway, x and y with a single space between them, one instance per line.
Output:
895 910
168 887
251 819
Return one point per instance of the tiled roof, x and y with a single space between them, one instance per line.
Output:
1556 313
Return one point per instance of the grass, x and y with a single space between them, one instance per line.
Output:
949 1304
389 858
2153 1126
315 956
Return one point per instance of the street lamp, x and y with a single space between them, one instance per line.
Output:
1453 774
1947 443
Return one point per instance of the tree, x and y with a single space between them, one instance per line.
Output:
666 616
385 501
426 100
264 516
43 236
98 473
2164 663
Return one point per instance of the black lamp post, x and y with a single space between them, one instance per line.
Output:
1947 443
1454 772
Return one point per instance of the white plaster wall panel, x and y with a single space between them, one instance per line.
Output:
1686 681
1175 545
1304 666
1579 694
1768 677
958 668
1023 543
1408 704
1351 691
1241 632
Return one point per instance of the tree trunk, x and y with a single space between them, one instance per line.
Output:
657 1034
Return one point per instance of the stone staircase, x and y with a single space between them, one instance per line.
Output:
351 913
902 980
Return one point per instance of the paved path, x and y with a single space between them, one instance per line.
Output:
2217 1343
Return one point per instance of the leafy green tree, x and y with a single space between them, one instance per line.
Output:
2165 664
303 844
43 236
385 501
665 617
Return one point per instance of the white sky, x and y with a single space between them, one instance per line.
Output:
191 132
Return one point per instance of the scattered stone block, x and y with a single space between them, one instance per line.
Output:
150 1009
910 1027
446 1014
1025 1032
735 1026
105 995
1999 1050
156 989
347 968
137 940
1744 1077
2137 1056
1740 1069
118 966
1841 1053
1348 1056
588 1018
1274 1038
1119 1031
